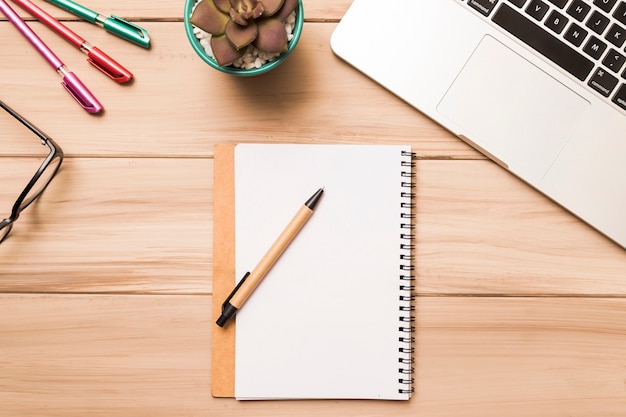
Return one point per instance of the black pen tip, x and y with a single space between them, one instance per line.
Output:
221 321
315 198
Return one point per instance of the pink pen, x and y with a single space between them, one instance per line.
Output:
72 84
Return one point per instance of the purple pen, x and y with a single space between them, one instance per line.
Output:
72 84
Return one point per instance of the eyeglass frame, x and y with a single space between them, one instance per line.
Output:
55 152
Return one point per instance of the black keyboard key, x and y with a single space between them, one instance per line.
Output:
578 10
603 82
597 22
614 61
620 97
483 6
620 12
556 21
575 34
616 35
559 3
518 3
595 47
537 9
543 42
605 5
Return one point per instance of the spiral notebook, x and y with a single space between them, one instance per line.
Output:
334 316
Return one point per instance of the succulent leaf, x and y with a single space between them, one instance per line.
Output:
243 10
237 17
223 5
209 18
242 6
271 6
288 7
258 10
241 36
224 51
271 36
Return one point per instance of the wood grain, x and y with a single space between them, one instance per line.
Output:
480 230
113 225
102 355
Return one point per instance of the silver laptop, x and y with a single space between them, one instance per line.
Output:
539 86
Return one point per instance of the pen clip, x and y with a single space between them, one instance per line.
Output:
108 65
80 93
234 291
127 30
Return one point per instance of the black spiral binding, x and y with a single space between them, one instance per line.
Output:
407 276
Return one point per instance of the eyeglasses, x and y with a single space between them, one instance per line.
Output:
39 181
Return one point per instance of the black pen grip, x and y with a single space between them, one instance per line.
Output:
228 310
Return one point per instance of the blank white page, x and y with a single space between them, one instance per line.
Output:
324 323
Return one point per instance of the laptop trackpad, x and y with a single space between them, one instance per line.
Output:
511 109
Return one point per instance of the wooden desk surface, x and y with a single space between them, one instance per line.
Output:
105 283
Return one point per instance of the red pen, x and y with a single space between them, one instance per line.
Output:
95 56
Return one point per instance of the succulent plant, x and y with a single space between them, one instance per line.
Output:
235 24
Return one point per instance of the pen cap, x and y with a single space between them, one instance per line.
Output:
108 65
81 93
127 30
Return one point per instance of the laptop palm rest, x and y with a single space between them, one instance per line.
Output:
512 110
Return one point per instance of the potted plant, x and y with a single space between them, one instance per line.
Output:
243 37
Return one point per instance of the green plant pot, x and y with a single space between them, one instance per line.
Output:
268 66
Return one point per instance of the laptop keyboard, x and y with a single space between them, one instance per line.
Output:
584 37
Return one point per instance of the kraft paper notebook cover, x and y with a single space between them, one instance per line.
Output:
333 317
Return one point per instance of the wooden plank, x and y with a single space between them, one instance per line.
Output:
179 106
480 230
145 225
315 10
92 355
520 356
111 225
73 355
